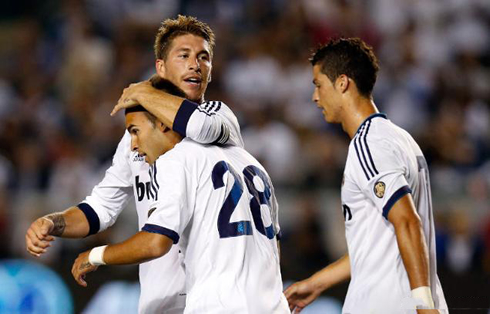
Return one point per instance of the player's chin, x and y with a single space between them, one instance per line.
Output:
329 118
326 117
194 92
194 95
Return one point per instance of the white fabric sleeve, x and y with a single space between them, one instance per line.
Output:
275 214
212 122
173 205
383 173
110 196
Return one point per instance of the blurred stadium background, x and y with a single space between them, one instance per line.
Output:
64 64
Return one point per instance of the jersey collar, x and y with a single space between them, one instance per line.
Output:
374 115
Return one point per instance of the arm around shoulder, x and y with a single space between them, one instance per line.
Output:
212 122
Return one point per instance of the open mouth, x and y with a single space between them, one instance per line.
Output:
193 81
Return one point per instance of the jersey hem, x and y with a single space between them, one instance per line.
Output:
394 198
182 117
163 231
92 217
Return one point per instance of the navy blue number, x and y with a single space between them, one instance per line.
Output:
259 198
229 229
347 212
423 168
226 228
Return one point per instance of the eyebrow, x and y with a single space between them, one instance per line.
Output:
188 50
130 127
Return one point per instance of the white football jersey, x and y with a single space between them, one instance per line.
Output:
218 204
384 163
162 280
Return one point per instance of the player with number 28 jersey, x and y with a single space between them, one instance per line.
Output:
162 280
218 204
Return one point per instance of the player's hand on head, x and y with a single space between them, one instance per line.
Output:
301 294
81 267
129 97
38 236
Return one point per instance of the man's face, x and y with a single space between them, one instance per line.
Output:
146 138
326 96
188 65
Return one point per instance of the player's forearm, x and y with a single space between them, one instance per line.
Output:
414 253
71 223
140 248
162 105
333 274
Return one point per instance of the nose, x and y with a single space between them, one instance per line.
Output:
314 97
194 64
134 145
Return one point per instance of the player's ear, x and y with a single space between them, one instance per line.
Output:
160 67
342 83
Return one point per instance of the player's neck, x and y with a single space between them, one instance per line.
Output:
356 113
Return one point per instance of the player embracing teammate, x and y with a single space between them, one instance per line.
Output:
216 203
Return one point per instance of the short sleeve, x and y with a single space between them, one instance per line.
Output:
212 122
384 171
111 195
275 214
171 208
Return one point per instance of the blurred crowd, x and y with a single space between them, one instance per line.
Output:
64 65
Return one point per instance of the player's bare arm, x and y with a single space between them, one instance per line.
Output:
142 247
161 104
302 293
72 223
411 242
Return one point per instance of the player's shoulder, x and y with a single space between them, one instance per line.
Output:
379 132
376 146
125 140
124 146
183 152
212 106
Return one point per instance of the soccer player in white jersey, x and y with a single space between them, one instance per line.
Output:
386 199
218 204
183 49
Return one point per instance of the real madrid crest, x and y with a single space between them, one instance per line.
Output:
379 189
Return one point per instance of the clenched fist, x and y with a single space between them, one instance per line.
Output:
41 233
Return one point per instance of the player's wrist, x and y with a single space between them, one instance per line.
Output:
423 297
48 219
319 283
96 255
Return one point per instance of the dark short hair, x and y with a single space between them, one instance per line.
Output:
140 108
182 25
349 56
